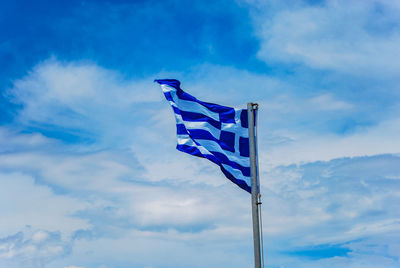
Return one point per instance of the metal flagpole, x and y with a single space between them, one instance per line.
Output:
251 107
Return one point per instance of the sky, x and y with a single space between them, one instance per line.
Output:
89 173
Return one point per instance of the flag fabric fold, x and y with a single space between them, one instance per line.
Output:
217 133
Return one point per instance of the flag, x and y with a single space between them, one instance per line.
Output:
217 133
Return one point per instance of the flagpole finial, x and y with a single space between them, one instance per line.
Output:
253 105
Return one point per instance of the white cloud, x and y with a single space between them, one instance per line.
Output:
111 181
12 141
321 197
106 204
81 99
167 202
329 103
353 191
24 249
39 236
350 202
26 203
309 147
355 37
162 249
343 201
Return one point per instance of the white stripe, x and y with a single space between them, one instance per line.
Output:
234 128
166 88
238 130
198 125
208 146
190 106
186 140
215 132
237 174
234 157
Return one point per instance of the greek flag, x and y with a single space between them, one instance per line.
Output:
217 133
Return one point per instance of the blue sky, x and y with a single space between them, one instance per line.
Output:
89 174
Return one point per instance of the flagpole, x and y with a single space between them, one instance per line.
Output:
251 107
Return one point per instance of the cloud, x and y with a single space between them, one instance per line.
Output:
350 203
344 36
26 203
327 102
102 197
99 107
346 203
32 249
355 190
290 147
129 193
79 99
12 141
141 250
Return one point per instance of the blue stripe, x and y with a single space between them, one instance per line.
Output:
189 150
170 82
201 134
211 106
222 158
168 96
196 117
215 157
176 110
227 114
192 116
242 184
196 152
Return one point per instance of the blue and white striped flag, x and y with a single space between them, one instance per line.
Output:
211 131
